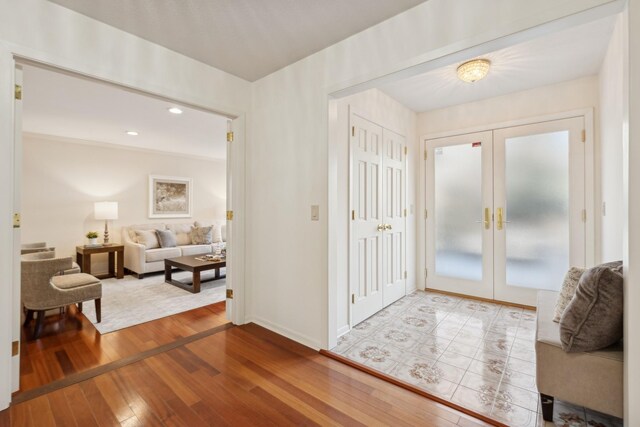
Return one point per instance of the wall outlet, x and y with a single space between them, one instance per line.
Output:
315 213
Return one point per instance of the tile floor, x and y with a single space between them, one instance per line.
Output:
479 355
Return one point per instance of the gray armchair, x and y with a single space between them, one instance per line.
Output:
45 287
30 248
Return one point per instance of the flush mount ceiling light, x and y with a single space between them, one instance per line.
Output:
175 110
474 70
132 133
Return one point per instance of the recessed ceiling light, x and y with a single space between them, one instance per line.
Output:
175 110
473 71
132 133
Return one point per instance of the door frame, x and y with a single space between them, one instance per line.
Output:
353 110
591 242
236 231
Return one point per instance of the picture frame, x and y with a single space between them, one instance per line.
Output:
170 196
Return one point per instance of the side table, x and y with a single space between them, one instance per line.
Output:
83 255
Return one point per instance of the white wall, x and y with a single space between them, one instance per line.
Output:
62 179
611 121
389 113
289 157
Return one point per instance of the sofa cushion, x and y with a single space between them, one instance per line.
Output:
216 232
201 235
195 249
148 238
160 254
567 291
182 232
133 228
71 281
593 318
166 238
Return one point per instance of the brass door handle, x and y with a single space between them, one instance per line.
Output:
387 226
500 222
381 227
487 218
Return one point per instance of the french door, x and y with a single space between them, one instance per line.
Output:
377 244
506 210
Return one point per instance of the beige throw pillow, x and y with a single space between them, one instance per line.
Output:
201 235
148 238
567 292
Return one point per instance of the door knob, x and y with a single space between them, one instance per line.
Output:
381 227
387 226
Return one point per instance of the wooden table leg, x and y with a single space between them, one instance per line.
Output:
86 263
120 264
217 273
167 272
112 264
196 282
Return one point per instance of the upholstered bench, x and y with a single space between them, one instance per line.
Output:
593 380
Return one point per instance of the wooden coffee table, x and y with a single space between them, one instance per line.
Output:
190 263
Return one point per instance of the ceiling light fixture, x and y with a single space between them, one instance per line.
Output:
474 70
132 133
175 110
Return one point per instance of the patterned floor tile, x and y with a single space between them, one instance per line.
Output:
478 400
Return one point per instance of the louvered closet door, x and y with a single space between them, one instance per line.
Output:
366 273
393 190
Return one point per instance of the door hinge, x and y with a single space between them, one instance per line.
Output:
353 298
15 348
353 131
229 136
18 92
405 274
426 273
353 215
584 135
426 214
16 220
425 154
405 211
229 215
406 150
229 293
584 215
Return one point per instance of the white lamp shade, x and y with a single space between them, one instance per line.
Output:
106 210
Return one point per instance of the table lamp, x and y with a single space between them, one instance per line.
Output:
106 211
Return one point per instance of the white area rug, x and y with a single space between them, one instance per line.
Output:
130 301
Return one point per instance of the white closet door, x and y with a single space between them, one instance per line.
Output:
366 271
459 218
393 216
539 200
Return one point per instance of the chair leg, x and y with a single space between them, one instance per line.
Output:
28 317
98 310
80 307
547 407
39 322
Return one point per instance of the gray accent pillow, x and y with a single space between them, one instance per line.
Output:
593 318
166 238
148 238
568 290
201 235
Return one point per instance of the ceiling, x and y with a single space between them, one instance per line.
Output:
556 57
66 106
247 38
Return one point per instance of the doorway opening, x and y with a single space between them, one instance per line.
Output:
155 175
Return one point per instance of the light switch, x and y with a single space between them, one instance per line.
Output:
315 213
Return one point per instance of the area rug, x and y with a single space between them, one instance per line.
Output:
130 301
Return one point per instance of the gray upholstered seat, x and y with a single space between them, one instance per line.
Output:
29 248
45 286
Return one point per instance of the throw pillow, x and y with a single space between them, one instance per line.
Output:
568 291
201 235
166 238
593 318
148 238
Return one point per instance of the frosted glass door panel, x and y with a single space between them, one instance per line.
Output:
537 209
458 210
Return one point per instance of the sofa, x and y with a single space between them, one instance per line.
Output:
590 379
140 259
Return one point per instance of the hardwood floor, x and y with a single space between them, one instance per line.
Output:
70 343
244 375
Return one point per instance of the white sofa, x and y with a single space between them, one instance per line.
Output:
139 260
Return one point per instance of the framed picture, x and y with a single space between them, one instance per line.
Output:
170 197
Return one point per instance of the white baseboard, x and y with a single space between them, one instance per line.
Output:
286 332
343 330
